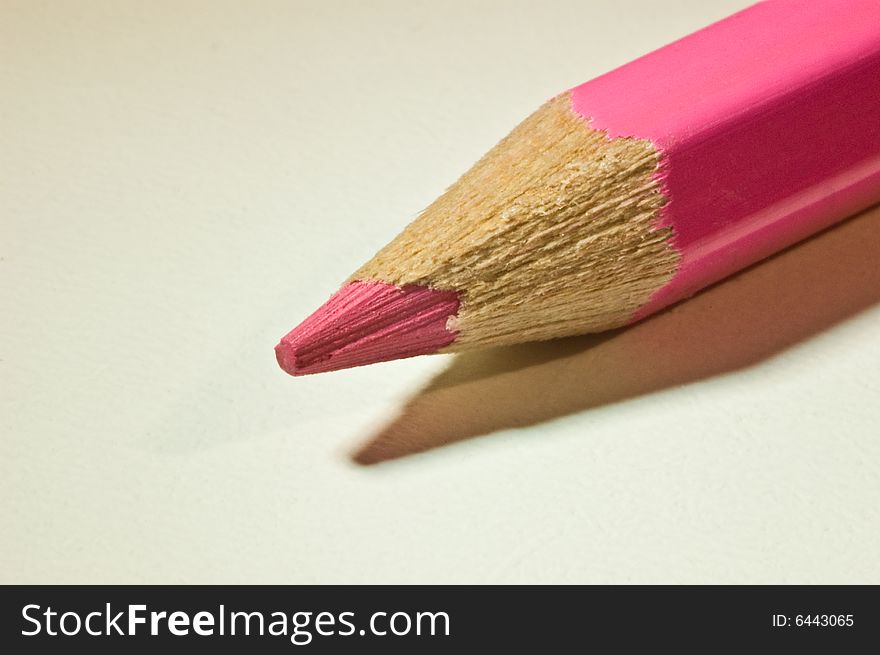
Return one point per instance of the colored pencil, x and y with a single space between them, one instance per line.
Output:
628 193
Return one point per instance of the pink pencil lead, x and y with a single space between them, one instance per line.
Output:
369 322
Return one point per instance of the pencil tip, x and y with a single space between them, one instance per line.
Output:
369 322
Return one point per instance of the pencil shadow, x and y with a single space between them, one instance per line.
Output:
752 316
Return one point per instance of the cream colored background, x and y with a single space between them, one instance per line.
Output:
182 182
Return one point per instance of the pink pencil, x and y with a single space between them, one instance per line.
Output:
629 192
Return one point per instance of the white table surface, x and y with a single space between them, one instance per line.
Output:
181 183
